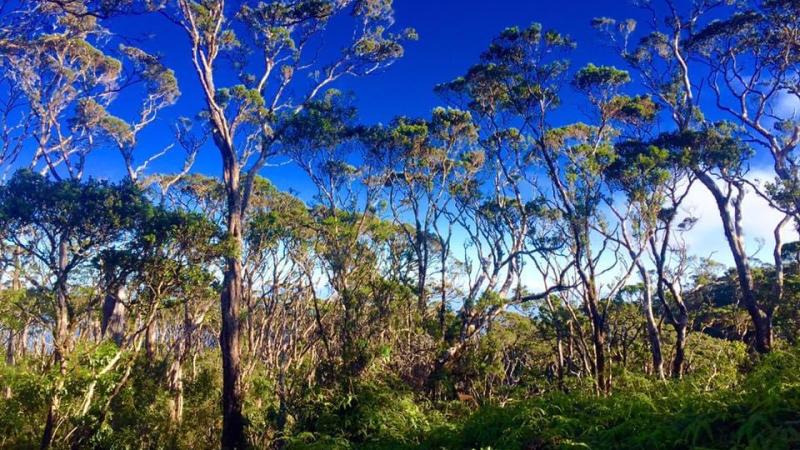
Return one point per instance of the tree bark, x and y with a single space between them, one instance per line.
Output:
652 328
599 341
114 315
680 350
731 223
10 357
176 388
233 433
151 341
60 344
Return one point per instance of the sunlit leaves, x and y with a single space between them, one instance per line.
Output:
161 81
324 123
715 146
91 210
521 69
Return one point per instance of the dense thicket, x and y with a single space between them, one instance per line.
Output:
511 272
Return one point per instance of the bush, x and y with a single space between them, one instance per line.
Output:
762 411
376 415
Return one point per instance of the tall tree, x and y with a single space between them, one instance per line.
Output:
663 59
422 160
271 44
656 184
615 113
752 56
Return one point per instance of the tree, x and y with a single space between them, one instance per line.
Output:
662 58
325 142
60 225
752 59
636 224
517 78
423 160
68 71
243 117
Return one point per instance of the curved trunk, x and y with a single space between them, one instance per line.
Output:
731 223
652 328
602 383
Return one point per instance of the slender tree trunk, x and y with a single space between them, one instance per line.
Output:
559 342
10 358
602 383
151 341
680 349
60 345
351 355
599 341
23 339
422 275
731 223
443 305
176 387
283 407
652 328
591 303
14 341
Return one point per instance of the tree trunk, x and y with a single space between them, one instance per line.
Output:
176 388
652 328
731 223
14 341
283 407
422 274
233 435
182 348
60 344
443 305
23 339
599 340
10 358
602 383
151 341
680 349
232 420
114 315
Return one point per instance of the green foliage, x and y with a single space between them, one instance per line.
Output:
760 411
376 415
600 81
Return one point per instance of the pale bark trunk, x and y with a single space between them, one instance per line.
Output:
233 433
652 328
10 358
176 387
151 341
680 351
760 318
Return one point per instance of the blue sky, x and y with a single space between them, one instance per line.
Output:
452 33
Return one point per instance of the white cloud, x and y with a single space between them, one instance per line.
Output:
759 221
